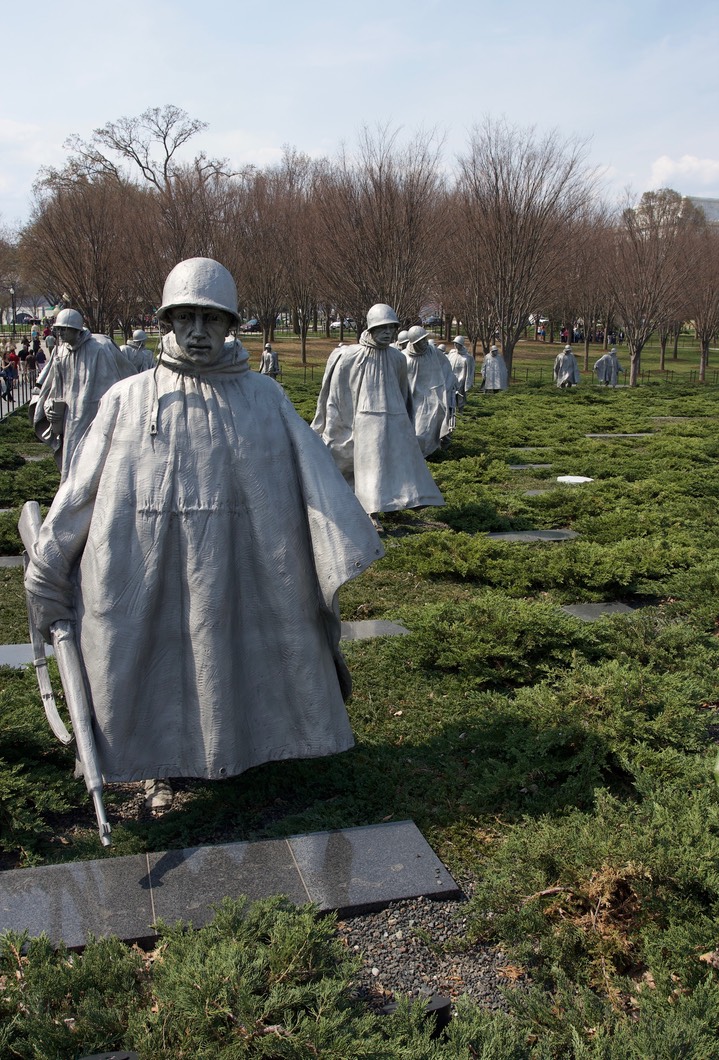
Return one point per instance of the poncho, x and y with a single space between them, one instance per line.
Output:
363 416
201 537
566 369
608 369
79 377
494 372
432 389
138 355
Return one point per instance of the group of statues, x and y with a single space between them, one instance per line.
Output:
566 370
202 529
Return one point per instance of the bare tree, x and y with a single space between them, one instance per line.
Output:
585 275
521 192
703 289
9 268
74 245
301 245
379 221
145 146
465 280
257 227
645 267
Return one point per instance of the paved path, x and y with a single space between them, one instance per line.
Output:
352 870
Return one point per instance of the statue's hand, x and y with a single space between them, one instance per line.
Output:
45 612
55 416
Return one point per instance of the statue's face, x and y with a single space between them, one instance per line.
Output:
200 332
383 334
421 345
68 335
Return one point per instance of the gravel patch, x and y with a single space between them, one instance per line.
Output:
418 948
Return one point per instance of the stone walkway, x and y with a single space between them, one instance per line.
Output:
22 654
534 535
352 870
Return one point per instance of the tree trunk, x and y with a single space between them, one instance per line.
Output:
662 350
586 349
635 354
303 343
703 360
675 350
448 317
508 352
551 332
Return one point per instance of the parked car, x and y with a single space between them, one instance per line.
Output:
432 321
251 325
337 324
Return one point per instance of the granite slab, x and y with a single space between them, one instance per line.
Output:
22 654
358 869
19 655
536 493
351 870
369 628
594 611
186 884
11 561
534 535
646 434
70 901
527 467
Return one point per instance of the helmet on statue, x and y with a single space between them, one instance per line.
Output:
381 314
200 282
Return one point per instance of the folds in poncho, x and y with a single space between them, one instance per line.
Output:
494 372
432 389
363 416
203 562
79 377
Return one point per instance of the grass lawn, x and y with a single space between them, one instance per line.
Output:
564 768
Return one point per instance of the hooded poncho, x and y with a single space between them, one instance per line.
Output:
363 416
78 376
201 537
432 388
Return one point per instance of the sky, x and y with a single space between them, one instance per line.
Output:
637 80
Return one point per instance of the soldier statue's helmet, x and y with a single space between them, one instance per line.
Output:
568 349
403 337
416 334
381 314
69 318
268 346
139 336
200 282
459 340
442 347
493 349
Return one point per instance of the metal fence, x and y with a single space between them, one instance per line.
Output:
538 374
17 396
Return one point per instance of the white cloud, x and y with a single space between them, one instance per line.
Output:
690 168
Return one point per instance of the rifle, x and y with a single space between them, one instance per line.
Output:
73 682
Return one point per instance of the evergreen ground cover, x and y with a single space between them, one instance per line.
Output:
565 768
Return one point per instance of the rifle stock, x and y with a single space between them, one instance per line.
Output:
73 683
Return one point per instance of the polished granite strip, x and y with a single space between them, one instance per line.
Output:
351 870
